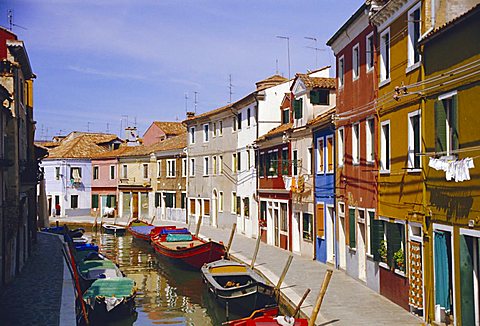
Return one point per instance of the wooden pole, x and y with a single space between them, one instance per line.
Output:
318 304
230 240
299 305
257 247
284 273
197 231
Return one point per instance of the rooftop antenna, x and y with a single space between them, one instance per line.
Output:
276 66
108 128
186 102
10 20
88 126
42 135
315 48
135 121
195 102
230 86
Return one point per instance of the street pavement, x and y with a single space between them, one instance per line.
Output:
40 294
347 301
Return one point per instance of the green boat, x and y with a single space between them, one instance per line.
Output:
110 298
92 270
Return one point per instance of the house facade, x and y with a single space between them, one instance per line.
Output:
161 130
355 47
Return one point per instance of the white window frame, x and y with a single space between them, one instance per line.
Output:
341 146
411 65
370 140
214 165
383 148
171 168
233 207
320 155
192 167
159 168
206 132
369 54
234 163
114 172
184 167
356 62
220 128
124 171
214 129
192 135
220 164
356 143
206 163
385 52
341 209
341 71
411 138
57 176
327 156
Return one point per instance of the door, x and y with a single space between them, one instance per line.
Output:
469 280
296 232
135 205
342 244
276 218
330 235
443 276
362 268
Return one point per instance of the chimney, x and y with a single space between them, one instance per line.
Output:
190 114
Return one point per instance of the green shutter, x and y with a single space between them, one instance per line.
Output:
466 279
114 201
394 241
109 201
297 107
351 227
376 236
315 97
94 201
440 127
454 122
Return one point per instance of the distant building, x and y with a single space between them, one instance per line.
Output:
161 130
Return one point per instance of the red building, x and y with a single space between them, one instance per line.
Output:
356 146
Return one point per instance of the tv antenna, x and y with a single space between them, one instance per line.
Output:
108 128
230 87
186 102
315 48
10 21
195 102
276 66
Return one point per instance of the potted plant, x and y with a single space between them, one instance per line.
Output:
399 259
382 251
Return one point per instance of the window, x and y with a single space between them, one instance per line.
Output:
272 163
95 172
234 162
112 172
183 200
356 62
341 146
170 200
329 156
206 207
184 167
446 124
285 116
263 214
370 139
385 56
370 52
298 108
220 127
94 201
341 71
205 132
234 124
57 173
320 156
385 147
239 161
320 96
248 117
388 243
283 217
413 37
307 222
239 120
205 165
158 199
285 161
246 207
356 143
124 171
309 161
74 201
261 165
111 201
214 165
192 167
192 135
76 174
220 164
145 171
171 168
238 205
295 162
414 145
220 201
214 130
159 168
192 206
352 228
234 202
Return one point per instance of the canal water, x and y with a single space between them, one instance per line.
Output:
166 294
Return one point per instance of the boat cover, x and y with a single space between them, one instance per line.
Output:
179 237
174 231
113 290
88 265
142 229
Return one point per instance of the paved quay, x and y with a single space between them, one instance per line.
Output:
42 294
347 301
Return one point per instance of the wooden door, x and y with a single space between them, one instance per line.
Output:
135 205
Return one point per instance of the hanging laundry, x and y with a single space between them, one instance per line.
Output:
288 182
457 170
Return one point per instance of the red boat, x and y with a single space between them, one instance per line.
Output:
267 316
181 246
143 230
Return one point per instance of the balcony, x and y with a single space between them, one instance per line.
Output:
135 182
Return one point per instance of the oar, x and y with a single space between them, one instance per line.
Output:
284 273
227 250
323 289
257 247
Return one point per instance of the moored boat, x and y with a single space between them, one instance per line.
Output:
268 316
94 267
140 230
179 245
238 286
114 229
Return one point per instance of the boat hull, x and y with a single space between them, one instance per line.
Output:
114 230
100 312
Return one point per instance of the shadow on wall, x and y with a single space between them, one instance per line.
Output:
455 205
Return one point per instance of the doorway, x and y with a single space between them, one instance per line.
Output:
341 244
135 205
443 277
330 235
296 232
361 256
470 278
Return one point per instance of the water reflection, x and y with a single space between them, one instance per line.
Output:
167 295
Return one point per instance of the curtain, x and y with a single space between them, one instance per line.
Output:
442 271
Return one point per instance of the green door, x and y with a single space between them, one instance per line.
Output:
466 280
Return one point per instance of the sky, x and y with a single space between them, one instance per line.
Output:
103 64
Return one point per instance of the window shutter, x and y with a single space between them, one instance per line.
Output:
157 199
394 240
440 127
94 201
351 227
466 279
376 236
109 201
114 201
320 221
297 107
315 97
454 122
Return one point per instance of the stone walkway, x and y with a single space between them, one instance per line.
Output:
35 295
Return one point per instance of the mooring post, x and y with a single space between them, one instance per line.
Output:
230 240
284 273
257 247
299 305
318 304
199 222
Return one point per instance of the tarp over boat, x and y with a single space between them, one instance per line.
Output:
113 290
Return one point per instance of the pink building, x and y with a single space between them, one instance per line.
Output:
159 131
